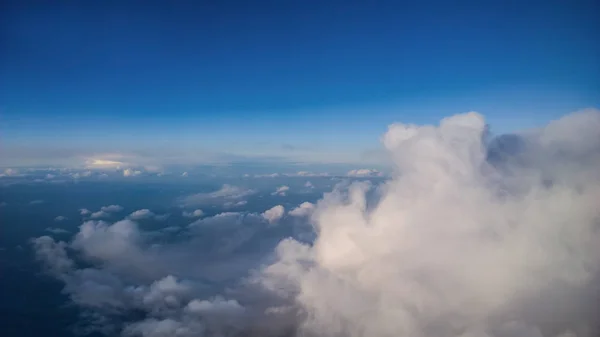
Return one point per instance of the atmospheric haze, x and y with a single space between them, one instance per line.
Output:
472 236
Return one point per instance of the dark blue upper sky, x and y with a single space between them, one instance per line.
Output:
286 71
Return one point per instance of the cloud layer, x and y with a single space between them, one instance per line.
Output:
470 237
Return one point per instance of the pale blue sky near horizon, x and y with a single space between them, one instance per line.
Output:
296 80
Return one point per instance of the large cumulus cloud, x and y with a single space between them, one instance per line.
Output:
470 237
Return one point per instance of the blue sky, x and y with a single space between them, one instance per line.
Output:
301 81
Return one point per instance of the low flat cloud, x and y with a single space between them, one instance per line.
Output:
56 230
364 173
112 208
227 193
141 214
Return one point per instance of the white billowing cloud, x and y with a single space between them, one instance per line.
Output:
60 218
194 214
56 230
455 243
141 214
364 173
131 173
304 210
308 184
273 214
227 193
112 208
453 246
281 190
84 211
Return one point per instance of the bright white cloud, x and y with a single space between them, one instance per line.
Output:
454 246
274 214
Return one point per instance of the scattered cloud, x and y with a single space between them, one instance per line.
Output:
193 214
84 211
304 210
309 174
458 243
60 218
56 230
82 174
281 190
141 214
273 215
131 173
308 184
184 174
112 208
231 204
269 175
